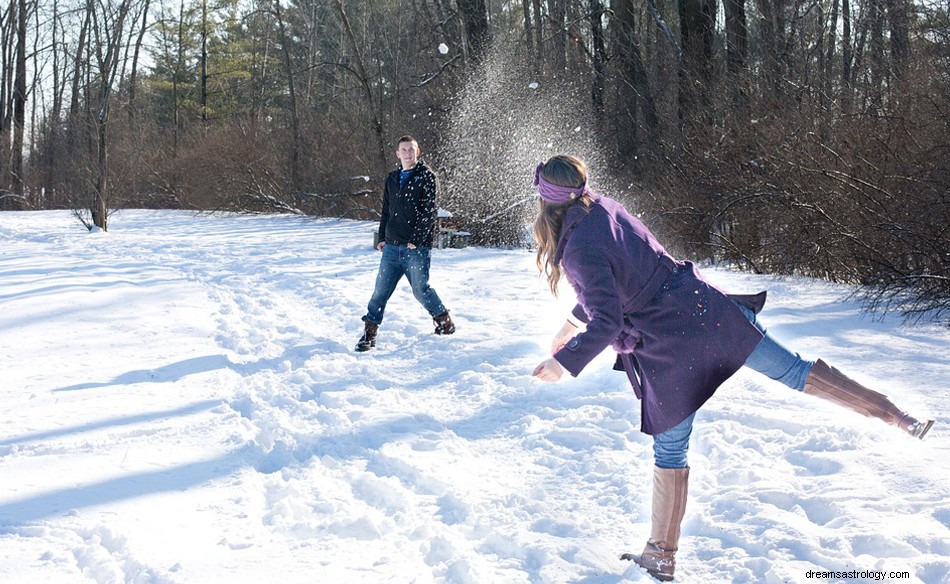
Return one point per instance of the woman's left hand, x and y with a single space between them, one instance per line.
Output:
548 370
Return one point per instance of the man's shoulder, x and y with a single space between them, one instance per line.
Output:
424 174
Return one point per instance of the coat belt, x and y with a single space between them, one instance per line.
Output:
666 268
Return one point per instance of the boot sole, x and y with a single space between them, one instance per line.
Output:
635 558
923 431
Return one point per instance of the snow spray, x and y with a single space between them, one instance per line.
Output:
503 121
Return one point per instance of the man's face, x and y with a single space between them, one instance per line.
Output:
408 154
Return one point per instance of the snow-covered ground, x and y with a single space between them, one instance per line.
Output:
181 404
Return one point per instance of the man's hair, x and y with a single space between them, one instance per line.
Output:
407 138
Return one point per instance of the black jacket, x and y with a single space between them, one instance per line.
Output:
409 213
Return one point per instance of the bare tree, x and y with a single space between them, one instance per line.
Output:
474 16
19 100
737 49
292 95
109 34
364 81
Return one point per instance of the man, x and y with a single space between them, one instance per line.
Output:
406 228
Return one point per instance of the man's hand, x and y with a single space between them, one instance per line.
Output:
411 245
548 370
380 246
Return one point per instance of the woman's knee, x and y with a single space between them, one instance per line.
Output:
670 454
670 447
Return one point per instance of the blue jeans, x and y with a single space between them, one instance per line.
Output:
770 358
773 360
669 448
399 261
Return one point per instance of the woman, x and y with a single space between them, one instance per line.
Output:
677 336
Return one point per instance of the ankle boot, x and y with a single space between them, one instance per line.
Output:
669 505
368 340
443 324
828 383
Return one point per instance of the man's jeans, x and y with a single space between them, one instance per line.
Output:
770 358
399 261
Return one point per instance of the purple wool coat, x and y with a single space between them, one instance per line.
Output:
678 337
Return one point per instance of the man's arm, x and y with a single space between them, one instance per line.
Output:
426 209
384 215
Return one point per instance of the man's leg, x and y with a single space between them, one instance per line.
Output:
416 265
390 270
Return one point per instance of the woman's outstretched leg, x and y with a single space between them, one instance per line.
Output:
828 383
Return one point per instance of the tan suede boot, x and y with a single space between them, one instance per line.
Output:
669 505
828 383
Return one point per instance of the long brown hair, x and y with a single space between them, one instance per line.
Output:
566 171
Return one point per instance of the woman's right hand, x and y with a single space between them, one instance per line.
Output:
548 370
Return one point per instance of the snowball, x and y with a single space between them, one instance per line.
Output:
533 85
443 48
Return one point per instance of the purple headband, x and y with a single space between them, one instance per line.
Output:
556 194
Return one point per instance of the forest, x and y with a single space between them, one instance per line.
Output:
798 137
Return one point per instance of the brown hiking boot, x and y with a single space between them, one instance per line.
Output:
444 324
368 340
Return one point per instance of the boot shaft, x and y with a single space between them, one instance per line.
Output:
828 383
670 488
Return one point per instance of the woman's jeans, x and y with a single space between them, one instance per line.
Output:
399 261
770 358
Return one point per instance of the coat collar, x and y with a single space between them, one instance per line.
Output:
576 213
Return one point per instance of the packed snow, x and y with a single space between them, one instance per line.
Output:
182 404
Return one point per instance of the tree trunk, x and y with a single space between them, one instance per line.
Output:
558 14
538 38
828 72
697 35
19 107
846 56
737 49
598 57
528 29
292 95
364 83
474 15
876 57
633 93
897 11
204 61
133 78
109 42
